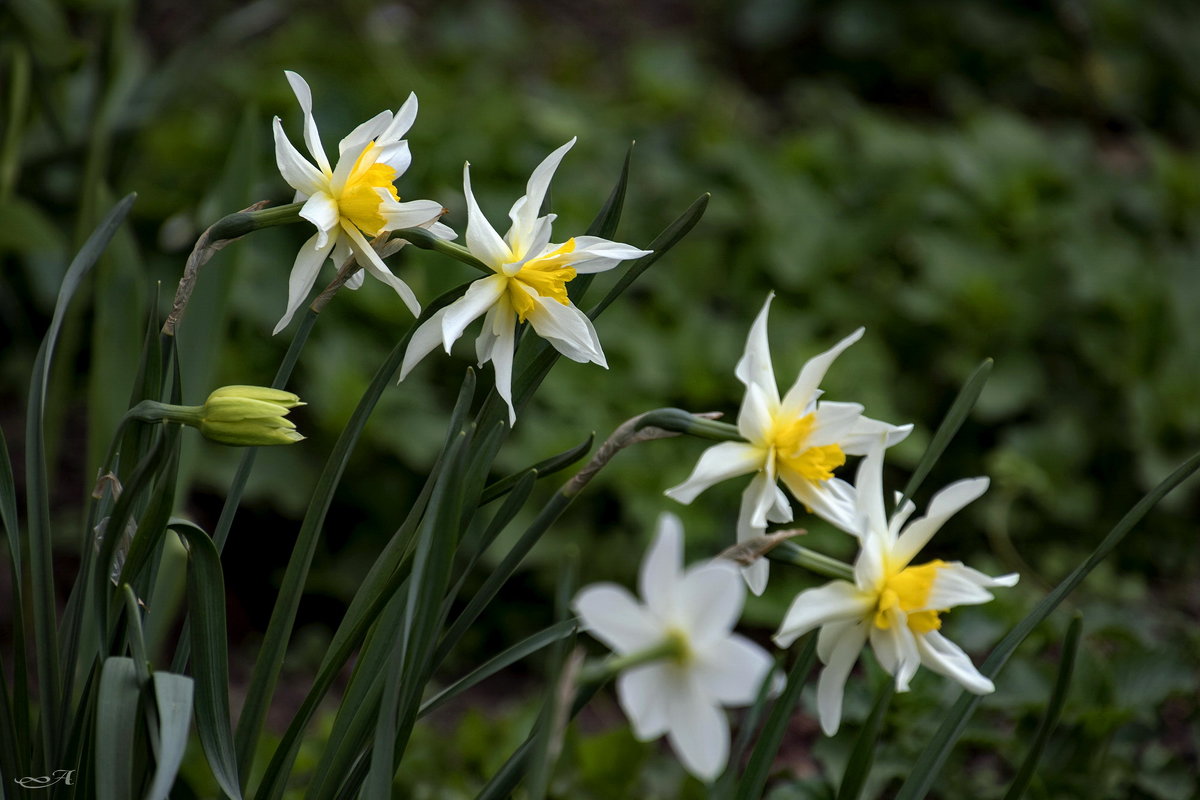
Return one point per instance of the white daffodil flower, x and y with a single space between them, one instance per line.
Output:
895 606
689 614
797 440
529 285
353 201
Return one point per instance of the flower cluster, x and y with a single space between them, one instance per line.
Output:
677 659
685 624
356 199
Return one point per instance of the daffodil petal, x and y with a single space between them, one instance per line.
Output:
642 698
611 614
661 567
843 643
757 415
710 601
754 367
482 239
699 735
866 431
717 463
397 155
958 585
303 276
424 341
479 297
348 161
945 504
568 329
869 487
404 118
410 214
946 658
502 361
896 649
295 169
373 264
365 132
837 601
832 500
731 670
311 137
321 211
527 209
832 422
804 390
593 254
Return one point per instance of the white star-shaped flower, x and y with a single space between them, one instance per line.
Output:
893 605
797 439
354 200
529 285
693 612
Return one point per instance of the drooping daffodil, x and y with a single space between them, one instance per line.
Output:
529 285
352 201
797 439
893 604
686 622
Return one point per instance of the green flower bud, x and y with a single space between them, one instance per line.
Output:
235 415
249 416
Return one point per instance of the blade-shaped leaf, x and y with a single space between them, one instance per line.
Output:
604 225
1058 698
862 757
754 779
116 724
173 696
206 601
543 469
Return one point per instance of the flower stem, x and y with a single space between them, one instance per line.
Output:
791 553
670 648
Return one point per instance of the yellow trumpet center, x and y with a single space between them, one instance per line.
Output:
547 275
814 464
360 199
906 591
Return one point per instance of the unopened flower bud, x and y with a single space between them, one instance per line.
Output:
249 415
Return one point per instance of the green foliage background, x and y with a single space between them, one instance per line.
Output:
967 180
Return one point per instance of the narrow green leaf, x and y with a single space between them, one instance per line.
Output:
37 491
1058 698
173 696
551 724
604 225
724 786
206 601
116 724
754 779
960 409
15 720
661 245
8 517
862 757
270 657
931 759
522 649
508 776
133 633
543 469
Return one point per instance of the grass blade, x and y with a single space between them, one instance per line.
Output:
116 724
1058 698
173 696
960 409
604 225
36 476
862 757
522 649
754 779
543 469
931 759
206 600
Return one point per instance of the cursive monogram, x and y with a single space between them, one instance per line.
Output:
67 776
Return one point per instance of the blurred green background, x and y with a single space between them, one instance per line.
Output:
968 180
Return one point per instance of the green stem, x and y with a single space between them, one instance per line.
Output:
794 554
674 647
